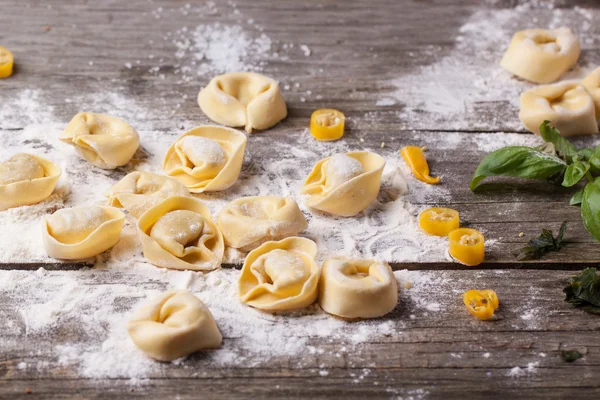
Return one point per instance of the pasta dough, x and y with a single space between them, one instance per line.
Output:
81 232
566 104
178 233
250 221
26 179
243 99
173 325
106 142
140 190
207 158
280 276
357 288
541 55
592 85
344 184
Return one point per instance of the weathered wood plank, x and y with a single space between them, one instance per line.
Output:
437 353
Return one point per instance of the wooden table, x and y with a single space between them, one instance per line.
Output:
356 49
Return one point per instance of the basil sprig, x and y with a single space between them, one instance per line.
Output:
557 161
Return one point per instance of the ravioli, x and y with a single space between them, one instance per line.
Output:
173 325
566 104
541 55
106 142
243 99
279 276
206 159
344 184
357 288
140 190
26 179
248 222
178 233
81 232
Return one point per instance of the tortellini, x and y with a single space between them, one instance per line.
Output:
207 158
81 232
250 221
173 325
178 233
140 190
566 104
357 288
540 55
344 184
106 142
592 85
279 276
243 99
26 179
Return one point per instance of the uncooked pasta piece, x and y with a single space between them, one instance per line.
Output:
173 325
178 233
81 232
106 142
344 184
357 288
243 99
568 105
26 179
280 276
207 158
250 221
541 55
140 190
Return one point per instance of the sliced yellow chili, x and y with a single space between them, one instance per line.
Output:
416 161
467 246
327 124
439 221
481 303
6 63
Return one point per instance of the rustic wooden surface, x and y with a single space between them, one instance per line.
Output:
421 360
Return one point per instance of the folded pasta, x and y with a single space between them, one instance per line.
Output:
207 158
178 233
357 288
243 99
26 179
106 142
173 325
140 190
567 104
81 232
592 85
248 222
280 276
344 184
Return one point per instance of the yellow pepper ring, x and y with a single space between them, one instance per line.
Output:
481 303
467 246
6 62
416 161
439 221
327 124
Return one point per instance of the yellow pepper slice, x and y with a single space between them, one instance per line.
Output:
481 303
6 63
467 246
439 221
327 124
416 161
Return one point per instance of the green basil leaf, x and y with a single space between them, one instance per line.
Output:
595 158
518 161
575 172
552 135
590 208
586 153
577 198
